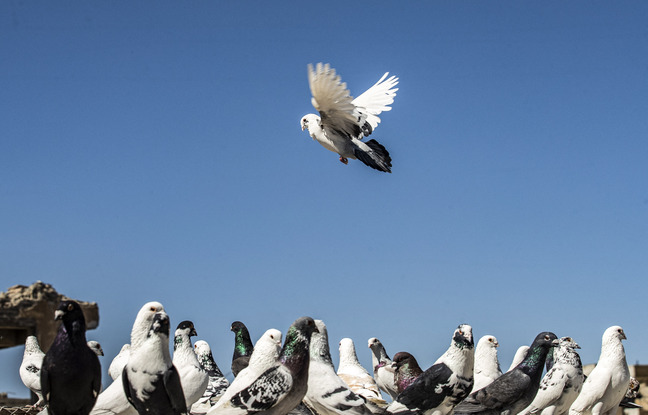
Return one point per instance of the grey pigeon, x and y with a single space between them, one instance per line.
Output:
384 372
112 401
71 373
487 367
407 370
243 347
282 387
151 382
265 356
343 121
561 384
30 367
514 390
354 374
327 394
217 382
193 377
95 346
117 365
608 382
448 381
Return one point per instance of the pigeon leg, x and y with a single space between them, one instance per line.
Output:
344 160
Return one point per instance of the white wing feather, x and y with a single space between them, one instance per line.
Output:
377 99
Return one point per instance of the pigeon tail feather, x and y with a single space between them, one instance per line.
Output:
377 157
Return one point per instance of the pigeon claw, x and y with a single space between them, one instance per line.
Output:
344 160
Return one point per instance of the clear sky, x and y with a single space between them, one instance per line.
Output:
153 151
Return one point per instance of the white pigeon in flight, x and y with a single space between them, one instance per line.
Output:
344 121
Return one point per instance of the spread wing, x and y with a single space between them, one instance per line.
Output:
332 99
377 99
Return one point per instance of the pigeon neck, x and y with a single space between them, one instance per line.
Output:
242 343
74 330
319 349
534 360
486 359
567 355
613 350
294 354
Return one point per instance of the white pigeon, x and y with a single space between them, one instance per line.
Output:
608 382
383 368
217 382
113 399
354 374
193 377
561 384
327 393
117 365
343 121
487 367
520 354
30 368
95 346
265 355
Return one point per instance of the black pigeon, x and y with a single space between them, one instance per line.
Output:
281 388
515 389
71 372
444 384
243 347
407 370
151 382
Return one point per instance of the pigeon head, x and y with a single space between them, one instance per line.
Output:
202 348
463 337
31 345
143 322
237 327
298 337
614 333
160 324
402 359
374 343
319 346
488 341
96 347
71 314
309 120
567 343
187 327
347 351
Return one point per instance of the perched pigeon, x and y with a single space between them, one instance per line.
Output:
30 368
243 347
95 346
327 394
487 367
608 382
354 374
343 121
265 355
445 383
117 365
382 367
217 383
193 377
562 383
113 399
519 356
71 373
282 387
151 382
407 370
514 390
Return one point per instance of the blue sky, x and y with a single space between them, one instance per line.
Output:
152 151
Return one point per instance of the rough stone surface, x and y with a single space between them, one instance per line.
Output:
26 310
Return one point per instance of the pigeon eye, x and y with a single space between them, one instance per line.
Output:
546 337
70 307
153 308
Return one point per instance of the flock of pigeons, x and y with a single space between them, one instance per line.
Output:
299 378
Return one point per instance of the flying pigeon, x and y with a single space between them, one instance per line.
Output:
487 367
280 388
243 347
561 384
407 370
327 394
343 121
382 367
117 365
217 382
515 389
265 356
95 346
112 400
354 374
445 383
193 377
71 372
519 356
30 368
608 382
151 382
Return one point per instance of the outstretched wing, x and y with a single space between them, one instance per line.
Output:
334 103
377 99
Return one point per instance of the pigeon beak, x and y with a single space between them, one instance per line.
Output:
58 314
577 346
623 336
193 332
555 342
